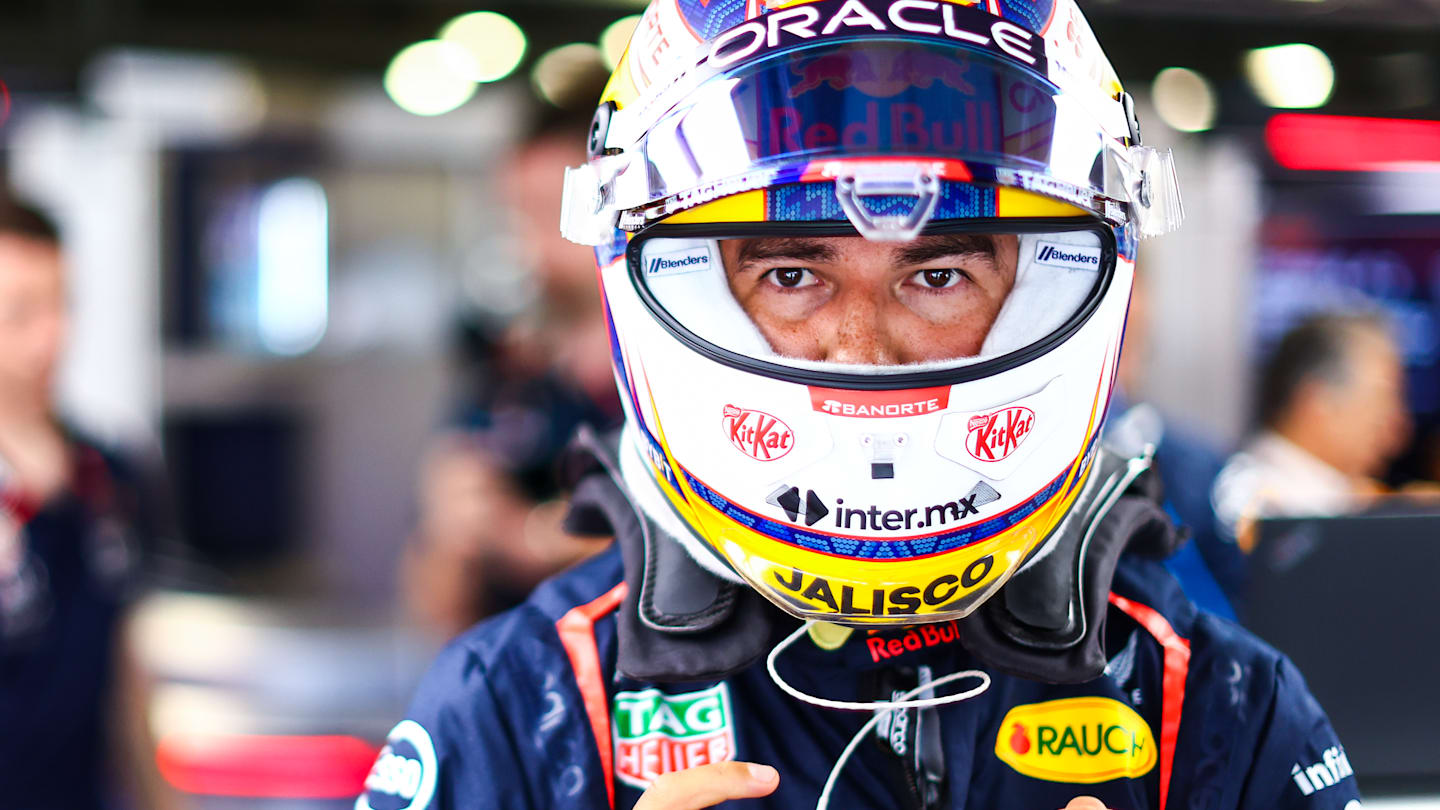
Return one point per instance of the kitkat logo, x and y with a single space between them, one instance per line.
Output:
1081 740
994 436
880 404
757 434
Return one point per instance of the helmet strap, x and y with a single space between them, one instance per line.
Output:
679 623
1048 622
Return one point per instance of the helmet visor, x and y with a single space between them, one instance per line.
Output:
888 98
796 298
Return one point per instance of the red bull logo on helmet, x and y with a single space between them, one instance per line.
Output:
880 73
899 98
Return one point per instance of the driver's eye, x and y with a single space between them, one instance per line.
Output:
940 278
791 276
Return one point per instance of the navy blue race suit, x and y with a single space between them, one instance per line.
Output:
527 711
60 611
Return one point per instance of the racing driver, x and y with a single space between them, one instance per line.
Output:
866 265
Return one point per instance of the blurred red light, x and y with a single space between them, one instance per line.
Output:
252 766
1337 143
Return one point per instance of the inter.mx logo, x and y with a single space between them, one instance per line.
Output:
657 733
994 436
813 508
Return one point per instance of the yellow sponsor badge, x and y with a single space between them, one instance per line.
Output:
1080 740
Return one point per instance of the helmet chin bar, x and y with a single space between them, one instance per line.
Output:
855 183
682 624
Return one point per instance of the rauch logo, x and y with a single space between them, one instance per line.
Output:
656 733
757 434
1081 740
995 436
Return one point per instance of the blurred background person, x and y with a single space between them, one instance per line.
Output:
74 520
490 520
1332 414
1187 461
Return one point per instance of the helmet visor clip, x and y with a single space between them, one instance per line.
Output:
856 184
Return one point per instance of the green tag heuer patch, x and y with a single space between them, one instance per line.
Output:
657 733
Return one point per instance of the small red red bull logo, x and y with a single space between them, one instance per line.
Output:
995 436
922 637
881 73
757 434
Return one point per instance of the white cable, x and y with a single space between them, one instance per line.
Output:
904 701
879 704
885 707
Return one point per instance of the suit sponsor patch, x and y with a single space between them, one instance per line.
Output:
403 776
656 733
1083 740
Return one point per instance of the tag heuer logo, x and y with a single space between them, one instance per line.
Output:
656 733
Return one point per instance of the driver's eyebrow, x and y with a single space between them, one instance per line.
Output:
796 249
930 248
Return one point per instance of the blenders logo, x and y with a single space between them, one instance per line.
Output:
1072 257
880 404
757 434
995 436
677 264
1082 740
657 733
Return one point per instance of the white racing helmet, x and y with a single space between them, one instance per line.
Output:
877 492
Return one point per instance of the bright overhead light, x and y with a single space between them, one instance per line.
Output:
616 38
494 43
422 79
563 71
1295 76
1184 99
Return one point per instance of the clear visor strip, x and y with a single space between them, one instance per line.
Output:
1149 196
881 708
